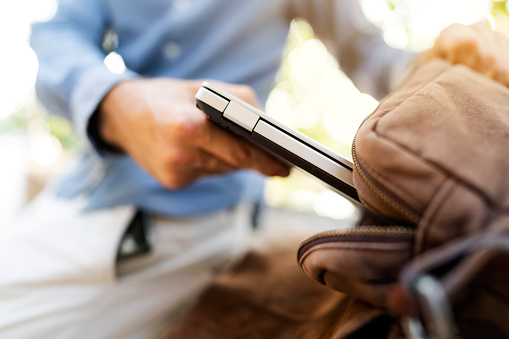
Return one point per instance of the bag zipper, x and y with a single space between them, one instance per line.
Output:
360 233
376 189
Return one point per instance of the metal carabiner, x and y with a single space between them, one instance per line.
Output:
436 312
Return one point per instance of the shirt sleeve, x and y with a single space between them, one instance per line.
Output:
72 78
372 65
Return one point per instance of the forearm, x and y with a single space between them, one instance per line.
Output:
373 66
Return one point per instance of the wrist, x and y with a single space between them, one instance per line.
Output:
107 116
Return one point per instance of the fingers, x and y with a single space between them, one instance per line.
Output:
231 149
180 178
189 158
458 45
476 46
501 72
180 165
185 166
493 53
237 152
487 49
194 147
203 145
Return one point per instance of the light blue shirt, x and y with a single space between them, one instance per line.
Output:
233 41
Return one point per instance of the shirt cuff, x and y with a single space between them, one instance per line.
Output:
93 87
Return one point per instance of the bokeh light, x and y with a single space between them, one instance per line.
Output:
414 24
115 63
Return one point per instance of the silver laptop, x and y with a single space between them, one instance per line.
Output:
282 141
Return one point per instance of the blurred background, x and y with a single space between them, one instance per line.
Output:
34 147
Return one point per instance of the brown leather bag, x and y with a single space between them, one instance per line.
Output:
434 156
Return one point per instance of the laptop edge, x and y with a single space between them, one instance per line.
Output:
282 141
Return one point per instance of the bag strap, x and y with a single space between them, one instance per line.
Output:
435 280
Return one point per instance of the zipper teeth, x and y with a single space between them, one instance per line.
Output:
371 230
384 197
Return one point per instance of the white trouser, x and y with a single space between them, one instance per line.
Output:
59 277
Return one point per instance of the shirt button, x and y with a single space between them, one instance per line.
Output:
172 50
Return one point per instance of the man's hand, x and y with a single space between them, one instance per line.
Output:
476 46
157 123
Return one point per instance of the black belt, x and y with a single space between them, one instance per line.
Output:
135 240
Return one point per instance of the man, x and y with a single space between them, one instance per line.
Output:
77 263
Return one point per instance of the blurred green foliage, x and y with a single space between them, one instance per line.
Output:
499 7
31 113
